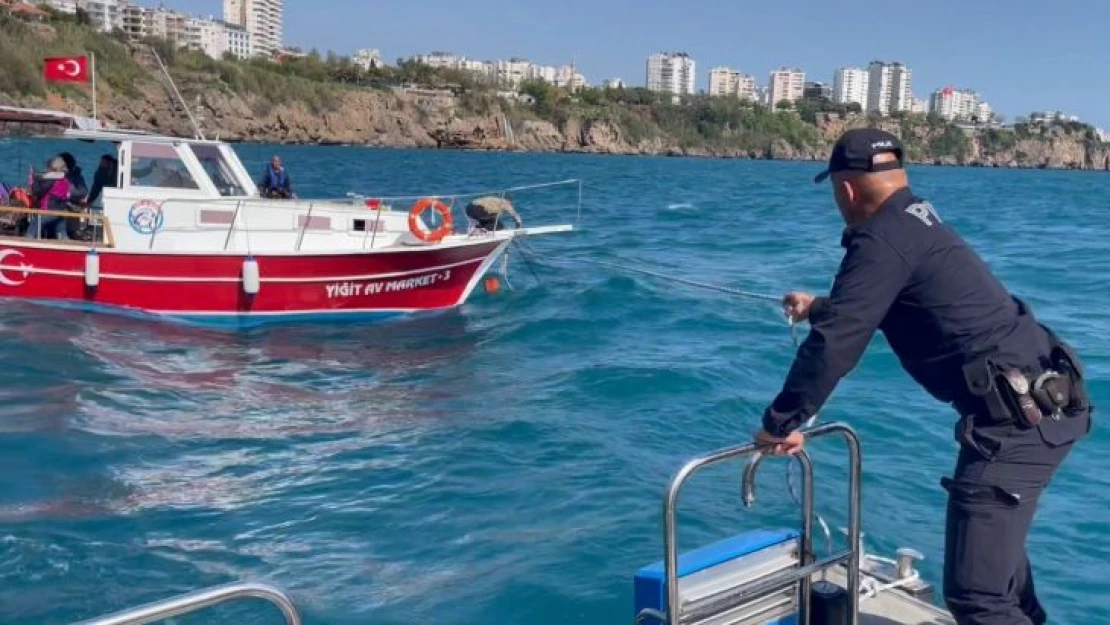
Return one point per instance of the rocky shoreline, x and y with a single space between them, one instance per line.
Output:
422 119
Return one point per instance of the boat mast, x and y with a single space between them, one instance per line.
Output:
184 106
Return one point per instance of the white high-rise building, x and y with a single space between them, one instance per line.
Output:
238 41
133 22
671 72
725 81
167 24
850 85
104 14
786 85
262 19
959 104
545 73
217 38
888 89
513 72
206 35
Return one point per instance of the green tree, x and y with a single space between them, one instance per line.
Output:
545 94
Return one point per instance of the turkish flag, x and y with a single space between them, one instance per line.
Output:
66 69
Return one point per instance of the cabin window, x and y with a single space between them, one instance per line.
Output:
363 225
158 166
218 169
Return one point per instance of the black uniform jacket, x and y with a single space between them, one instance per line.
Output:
909 274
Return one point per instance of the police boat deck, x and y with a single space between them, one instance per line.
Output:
890 608
774 576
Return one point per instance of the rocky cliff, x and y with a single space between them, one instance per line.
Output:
421 119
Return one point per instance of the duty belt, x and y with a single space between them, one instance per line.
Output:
1047 394
1010 395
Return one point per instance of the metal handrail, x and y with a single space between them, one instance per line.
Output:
670 531
191 602
108 240
242 205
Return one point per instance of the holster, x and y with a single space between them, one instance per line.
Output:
1009 395
1066 361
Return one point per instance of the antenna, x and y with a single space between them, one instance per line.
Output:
184 106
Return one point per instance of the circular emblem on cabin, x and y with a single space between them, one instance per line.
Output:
145 217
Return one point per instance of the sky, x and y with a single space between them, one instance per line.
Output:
1020 55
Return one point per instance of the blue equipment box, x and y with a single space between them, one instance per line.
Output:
716 567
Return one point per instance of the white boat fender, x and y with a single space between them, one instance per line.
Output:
92 268
251 279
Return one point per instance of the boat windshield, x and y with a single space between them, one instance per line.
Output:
159 166
218 169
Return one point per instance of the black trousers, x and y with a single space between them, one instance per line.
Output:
992 499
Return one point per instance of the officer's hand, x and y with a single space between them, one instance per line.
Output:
789 445
796 305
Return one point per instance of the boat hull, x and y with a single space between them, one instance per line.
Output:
210 289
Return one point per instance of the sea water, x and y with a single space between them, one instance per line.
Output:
505 464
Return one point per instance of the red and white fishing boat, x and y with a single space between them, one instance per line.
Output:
186 236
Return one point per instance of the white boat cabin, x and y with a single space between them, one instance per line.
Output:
186 195
179 195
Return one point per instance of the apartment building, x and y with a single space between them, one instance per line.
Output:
786 84
850 85
166 24
959 105
671 72
725 81
262 19
889 88
132 21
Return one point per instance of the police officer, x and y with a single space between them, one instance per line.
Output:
1017 387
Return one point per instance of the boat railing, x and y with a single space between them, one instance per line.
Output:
243 207
808 566
102 226
198 600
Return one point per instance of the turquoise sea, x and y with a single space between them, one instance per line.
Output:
505 464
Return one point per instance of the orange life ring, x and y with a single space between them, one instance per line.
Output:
20 196
433 236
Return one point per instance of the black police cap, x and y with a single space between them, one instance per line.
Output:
855 150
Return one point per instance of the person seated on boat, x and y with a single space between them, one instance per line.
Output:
275 180
105 176
51 191
492 212
77 187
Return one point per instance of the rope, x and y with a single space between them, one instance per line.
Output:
526 251
700 285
